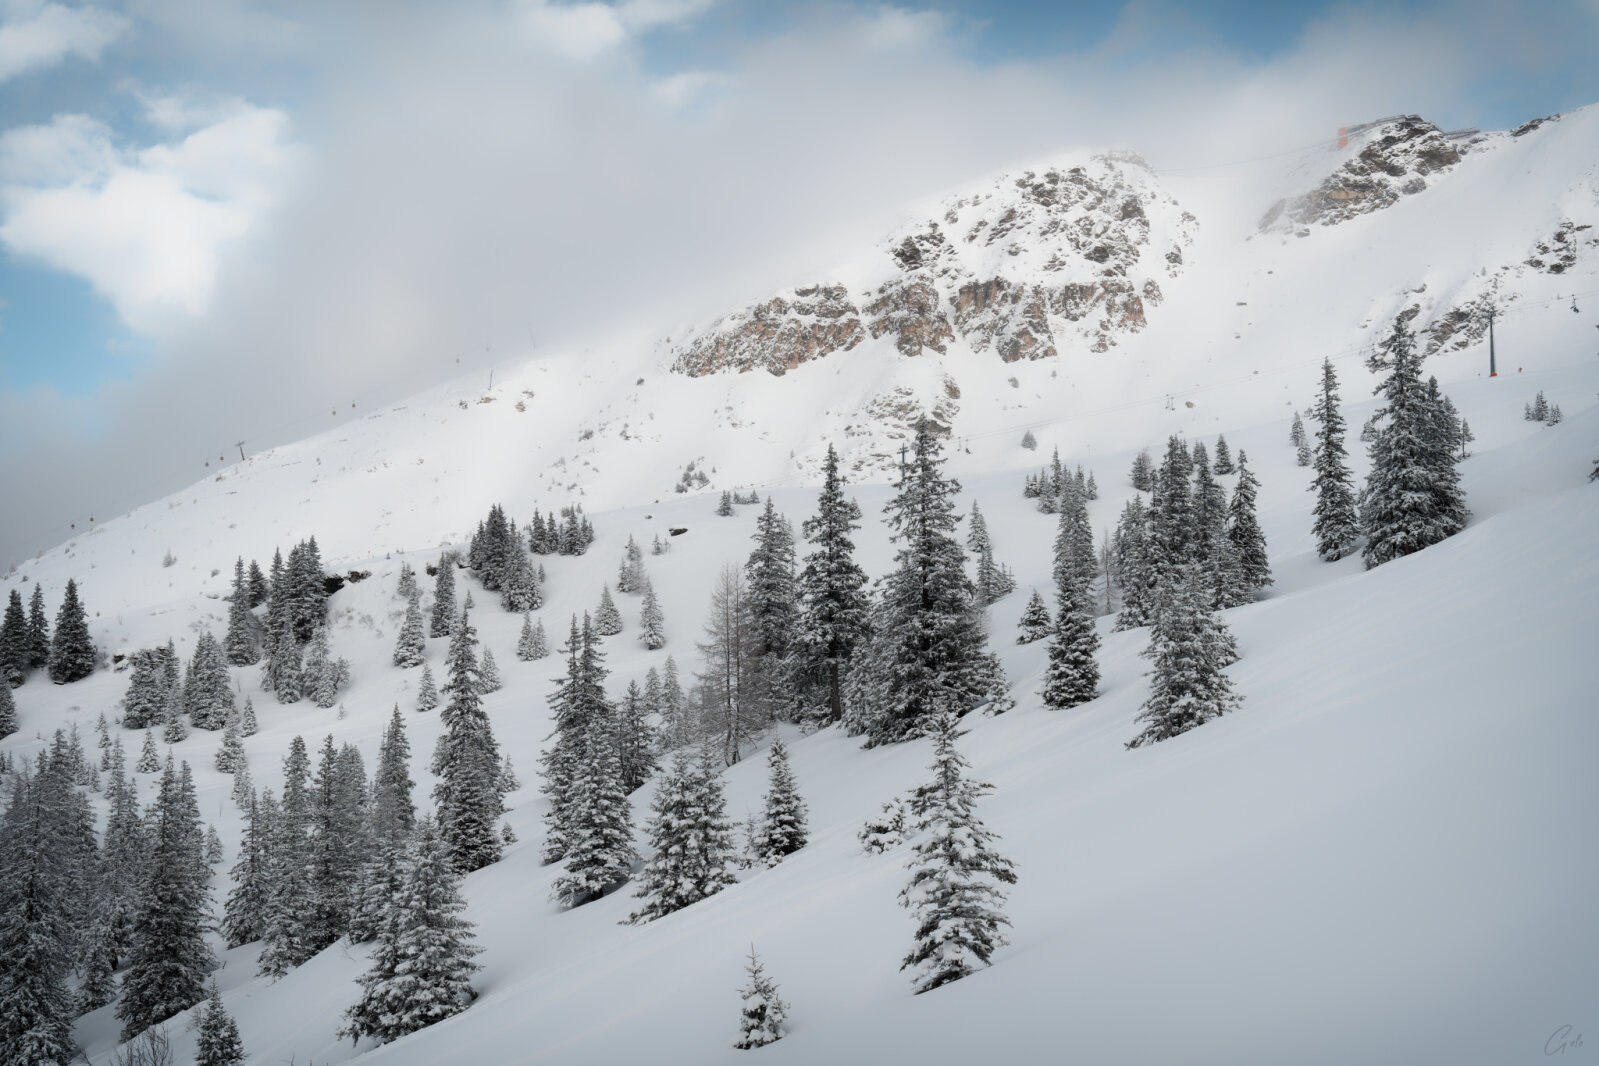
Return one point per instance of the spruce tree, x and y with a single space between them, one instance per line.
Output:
281 672
411 645
169 961
955 890
247 724
771 587
287 933
635 739
762 1013
36 923
467 762
38 630
933 629
488 673
393 818
673 708
208 689
1072 676
8 711
599 846
692 841
607 619
443 596
783 821
579 696
1143 472
173 728
532 644
219 1043
1035 623
724 508
257 584
230 753
149 760
71 650
1413 497
1337 525
239 645
323 676
1244 532
1135 564
1223 463
833 603
652 623
427 696
14 643
244 916
421 967
1188 646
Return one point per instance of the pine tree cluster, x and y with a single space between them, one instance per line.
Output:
568 533
498 554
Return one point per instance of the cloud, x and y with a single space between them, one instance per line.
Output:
475 178
586 30
144 226
45 36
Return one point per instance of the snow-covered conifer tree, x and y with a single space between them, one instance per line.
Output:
245 914
168 961
635 739
37 908
247 724
955 890
219 1043
1035 623
532 644
39 628
208 689
230 753
1413 497
1072 676
607 619
692 840
443 596
421 968
833 604
599 832
724 508
323 675
149 759
932 627
71 650
1337 525
1223 463
488 673
1188 645
1244 532
652 623
467 762
411 645
239 646
427 696
782 826
762 1013
14 643
8 711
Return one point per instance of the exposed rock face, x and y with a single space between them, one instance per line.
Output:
1066 256
1400 159
908 309
778 335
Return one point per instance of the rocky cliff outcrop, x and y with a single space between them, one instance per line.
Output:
1398 159
1064 256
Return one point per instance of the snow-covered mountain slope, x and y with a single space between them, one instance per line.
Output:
1380 857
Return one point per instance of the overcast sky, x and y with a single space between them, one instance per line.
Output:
224 219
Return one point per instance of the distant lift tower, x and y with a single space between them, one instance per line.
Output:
1493 371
